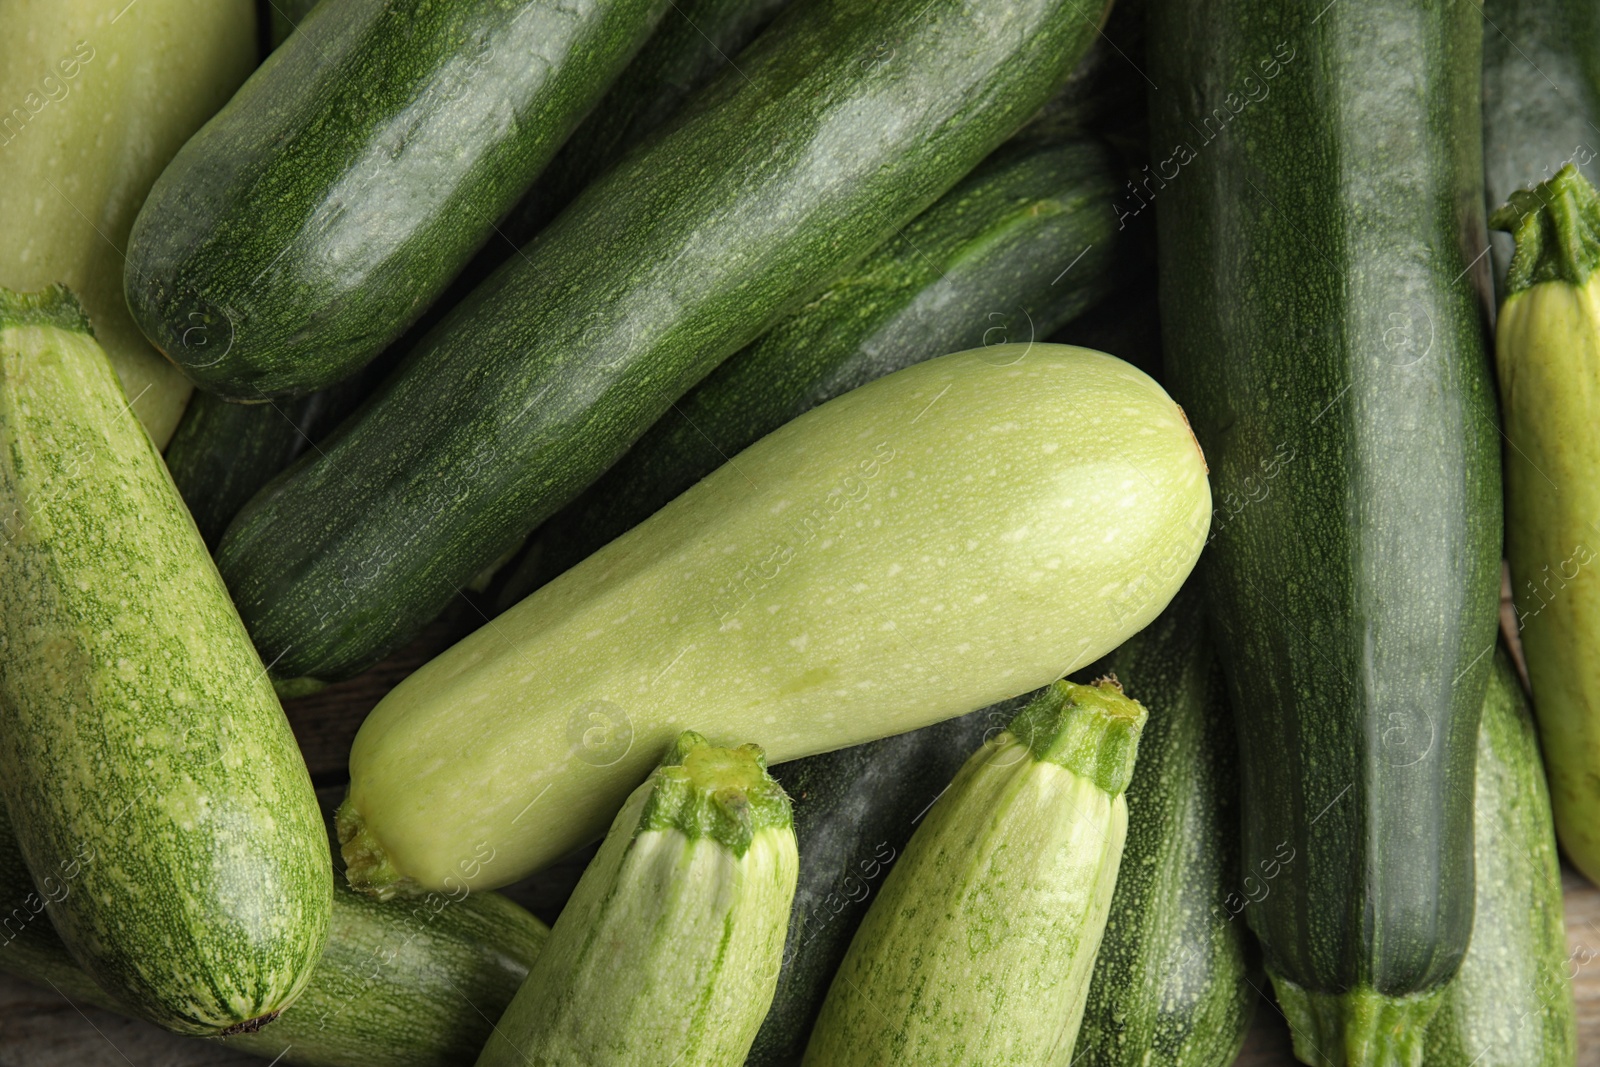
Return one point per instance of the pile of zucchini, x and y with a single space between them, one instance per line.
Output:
938 691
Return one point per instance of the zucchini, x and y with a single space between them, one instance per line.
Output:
839 127
1020 246
669 948
414 985
323 210
223 453
97 106
1171 984
892 558
692 45
1548 354
980 947
1541 98
1511 1004
854 811
1321 266
144 757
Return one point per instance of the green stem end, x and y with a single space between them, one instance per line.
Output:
1357 1028
725 794
1091 730
1556 225
52 306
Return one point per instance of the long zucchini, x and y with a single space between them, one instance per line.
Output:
1548 354
1321 260
980 947
145 760
840 126
354 174
1541 98
1511 1004
399 985
668 950
1023 244
1171 983
100 97
694 42
223 453
902 554
854 811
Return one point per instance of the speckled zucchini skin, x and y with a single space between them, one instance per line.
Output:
1322 285
1511 1004
839 127
978 952
345 184
417 984
987 264
668 951
1170 984
146 762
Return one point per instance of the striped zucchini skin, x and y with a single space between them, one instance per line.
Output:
1511 1005
1547 352
146 762
840 126
399 985
1171 982
1023 244
669 948
979 949
898 556
1541 98
694 42
345 184
1324 332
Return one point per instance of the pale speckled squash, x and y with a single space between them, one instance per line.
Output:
145 760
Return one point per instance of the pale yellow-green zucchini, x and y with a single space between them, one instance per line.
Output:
1548 354
669 950
979 950
146 764
956 533
95 97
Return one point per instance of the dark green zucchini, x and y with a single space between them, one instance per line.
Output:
1511 1005
1171 983
223 453
840 126
854 811
1026 242
1541 98
694 42
354 174
415 984
1321 235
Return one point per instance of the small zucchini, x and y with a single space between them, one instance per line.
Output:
1548 353
348 181
1023 244
980 947
842 124
417 984
668 951
1171 984
854 811
900 555
146 762
96 107
1511 1003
